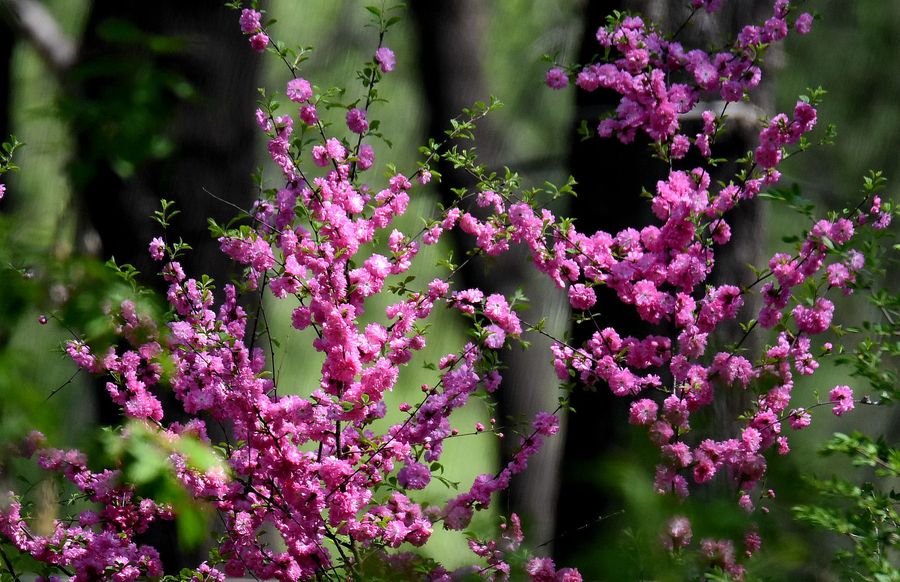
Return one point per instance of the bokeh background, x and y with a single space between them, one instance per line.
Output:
121 104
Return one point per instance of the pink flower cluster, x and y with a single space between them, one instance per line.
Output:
659 79
251 25
781 132
386 59
658 270
97 545
309 466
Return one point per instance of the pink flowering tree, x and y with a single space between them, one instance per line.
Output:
319 484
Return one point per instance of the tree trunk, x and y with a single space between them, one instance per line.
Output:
6 49
610 177
206 93
451 49
162 108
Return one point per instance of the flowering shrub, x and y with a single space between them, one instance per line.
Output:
312 471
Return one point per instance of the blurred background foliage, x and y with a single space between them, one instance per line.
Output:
117 110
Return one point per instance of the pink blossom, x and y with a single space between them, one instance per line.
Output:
721 553
708 5
250 20
799 419
386 59
752 543
157 249
366 156
803 24
677 455
496 337
309 115
299 90
546 424
557 78
320 156
643 412
356 120
335 149
541 569
680 146
581 296
839 275
661 432
842 398
678 533
414 476
259 42
815 319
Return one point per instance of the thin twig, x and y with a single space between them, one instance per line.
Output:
63 385
581 527
9 567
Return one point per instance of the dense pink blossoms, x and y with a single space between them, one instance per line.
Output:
251 25
310 494
658 79
98 544
312 468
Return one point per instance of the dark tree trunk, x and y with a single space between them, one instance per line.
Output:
6 87
610 177
6 50
162 108
451 54
205 95
8 320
